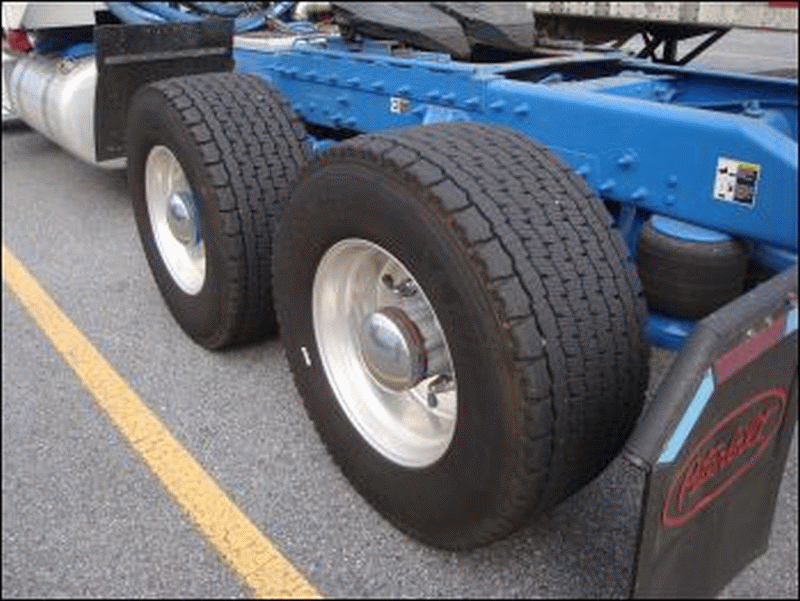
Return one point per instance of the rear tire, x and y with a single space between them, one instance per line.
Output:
535 297
219 153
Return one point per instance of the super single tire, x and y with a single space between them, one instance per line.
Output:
532 290
210 158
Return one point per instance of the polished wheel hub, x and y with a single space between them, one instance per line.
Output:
181 218
384 352
393 349
174 220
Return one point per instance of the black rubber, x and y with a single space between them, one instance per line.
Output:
241 147
689 279
536 293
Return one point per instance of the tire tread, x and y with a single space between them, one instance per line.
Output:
252 146
561 280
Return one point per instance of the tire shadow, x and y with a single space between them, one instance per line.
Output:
15 125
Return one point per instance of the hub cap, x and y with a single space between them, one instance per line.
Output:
384 353
181 219
393 349
174 220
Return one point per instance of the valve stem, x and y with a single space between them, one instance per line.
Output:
404 289
437 385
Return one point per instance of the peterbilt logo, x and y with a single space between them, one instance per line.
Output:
730 449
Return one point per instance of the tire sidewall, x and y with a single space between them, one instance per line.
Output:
153 121
352 199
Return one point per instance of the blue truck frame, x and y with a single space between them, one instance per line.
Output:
650 140
647 138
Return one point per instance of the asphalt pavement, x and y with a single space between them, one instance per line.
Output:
83 517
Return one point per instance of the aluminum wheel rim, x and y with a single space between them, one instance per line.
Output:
357 279
175 220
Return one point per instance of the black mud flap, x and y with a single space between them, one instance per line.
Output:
130 56
714 443
506 25
449 27
416 23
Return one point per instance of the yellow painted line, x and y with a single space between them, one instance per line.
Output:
237 539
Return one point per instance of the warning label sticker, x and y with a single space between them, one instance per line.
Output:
736 181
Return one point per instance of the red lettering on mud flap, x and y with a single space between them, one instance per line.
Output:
730 449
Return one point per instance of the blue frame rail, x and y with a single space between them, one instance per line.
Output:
648 139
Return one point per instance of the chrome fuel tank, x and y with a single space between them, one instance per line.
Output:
55 96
